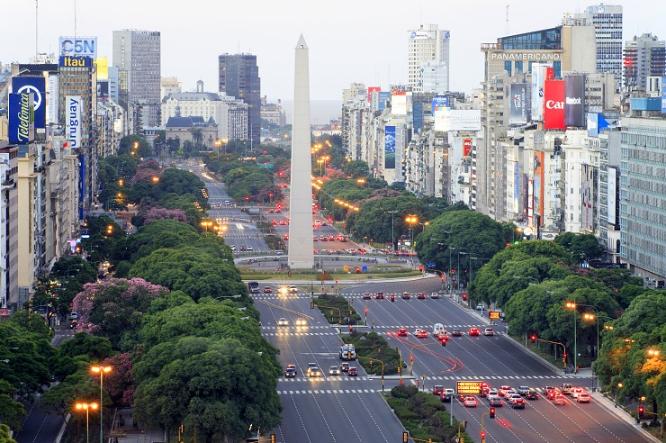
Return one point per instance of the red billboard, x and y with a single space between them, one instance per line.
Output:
550 73
467 147
553 104
372 89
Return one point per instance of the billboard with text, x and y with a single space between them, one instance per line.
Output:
73 107
21 118
457 120
78 46
518 107
574 100
36 85
553 105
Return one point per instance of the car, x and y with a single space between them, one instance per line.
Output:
379 296
532 394
344 366
447 394
517 402
575 392
437 390
301 322
457 333
474 332
495 401
334 370
353 371
470 402
406 296
290 371
566 388
522 390
480 307
73 315
421 333
504 390
293 289
268 290
366 296
435 295
583 397
485 388
314 371
283 322
489 332
421 296
492 391
560 400
552 392
402 332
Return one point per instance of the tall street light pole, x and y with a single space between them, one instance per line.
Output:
101 370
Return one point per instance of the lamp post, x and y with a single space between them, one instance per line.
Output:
411 220
81 406
392 236
101 370
572 305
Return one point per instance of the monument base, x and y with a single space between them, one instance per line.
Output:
301 264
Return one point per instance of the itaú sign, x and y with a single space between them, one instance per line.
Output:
526 56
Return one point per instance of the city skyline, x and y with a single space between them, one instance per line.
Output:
373 40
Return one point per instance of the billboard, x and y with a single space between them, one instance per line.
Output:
21 115
53 88
457 120
612 199
553 104
538 76
36 85
517 176
73 107
574 100
371 89
587 191
518 107
102 69
70 61
439 102
468 387
389 147
663 95
539 188
384 96
103 89
467 147
78 46
399 103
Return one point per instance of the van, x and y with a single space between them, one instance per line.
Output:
347 352
438 329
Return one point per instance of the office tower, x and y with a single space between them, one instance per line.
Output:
239 78
301 255
607 21
428 58
644 56
136 54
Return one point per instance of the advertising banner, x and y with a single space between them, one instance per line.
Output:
518 112
549 73
52 93
612 199
21 114
457 120
538 76
439 102
517 176
384 96
78 46
103 89
399 103
372 89
389 147
102 69
468 387
553 105
587 191
467 147
36 85
663 95
73 109
539 189
574 100
70 61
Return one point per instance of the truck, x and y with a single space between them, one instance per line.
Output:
347 352
253 287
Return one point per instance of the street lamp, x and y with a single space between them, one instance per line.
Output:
81 406
653 352
101 370
155 179
571 305
411 220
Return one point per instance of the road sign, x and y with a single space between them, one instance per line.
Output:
468 387
494 315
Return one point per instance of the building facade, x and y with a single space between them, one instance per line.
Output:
239 78
607 21
644 56
428 58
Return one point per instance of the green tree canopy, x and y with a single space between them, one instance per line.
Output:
581 246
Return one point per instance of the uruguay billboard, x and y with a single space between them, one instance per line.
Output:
73 108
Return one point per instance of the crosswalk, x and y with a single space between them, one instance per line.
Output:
409 327
331 378
296 334
326 391
348 295
497 377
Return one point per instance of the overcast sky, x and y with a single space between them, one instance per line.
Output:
349 40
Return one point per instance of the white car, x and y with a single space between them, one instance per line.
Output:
583 397
470 402
488 332
575 392
283 322
301 322
334 370
293 289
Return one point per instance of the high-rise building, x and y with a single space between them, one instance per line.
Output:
137 54
607 21
428 59
644 56
239 77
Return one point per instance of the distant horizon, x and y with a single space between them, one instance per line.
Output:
322 111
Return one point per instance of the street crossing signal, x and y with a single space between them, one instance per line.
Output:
492 412
405 437
641 411
533 338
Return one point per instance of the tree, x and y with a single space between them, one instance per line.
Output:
135 146
160 234
156 213
380 217
581 246
66 279
5 436
469 232
356 168
11 410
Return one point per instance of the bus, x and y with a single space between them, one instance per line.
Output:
253 287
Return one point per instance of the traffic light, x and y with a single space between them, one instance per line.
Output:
533 338
492 412
483 435
641 411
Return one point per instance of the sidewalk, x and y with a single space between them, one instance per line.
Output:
622 414
125 431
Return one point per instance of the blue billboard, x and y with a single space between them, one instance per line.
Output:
417 116
389 147
439 102
21 127
384 96
36 85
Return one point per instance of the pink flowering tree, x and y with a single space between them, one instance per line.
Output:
159 213
146 171
119 383
113 307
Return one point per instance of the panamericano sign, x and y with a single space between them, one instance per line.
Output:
526 56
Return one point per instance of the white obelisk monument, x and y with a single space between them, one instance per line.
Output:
301 255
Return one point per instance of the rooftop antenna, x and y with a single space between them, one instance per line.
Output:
75 19
506 31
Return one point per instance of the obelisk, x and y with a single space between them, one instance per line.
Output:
301 255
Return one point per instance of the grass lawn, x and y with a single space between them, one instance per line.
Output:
371 347
423 414
337 309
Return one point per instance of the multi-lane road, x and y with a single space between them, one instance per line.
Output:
352 409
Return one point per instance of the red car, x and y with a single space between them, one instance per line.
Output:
421 333
352 371
437 390
402 332
379 296
268 290
421 296
474 332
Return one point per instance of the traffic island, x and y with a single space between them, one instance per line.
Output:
374 353
424 415
337 309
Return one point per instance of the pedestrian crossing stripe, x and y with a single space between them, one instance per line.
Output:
326 391
298 327
497 377
292 334
330 378
396 327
